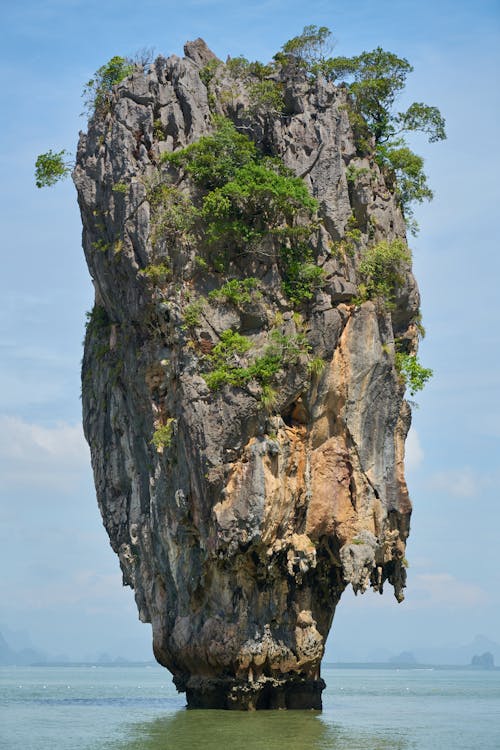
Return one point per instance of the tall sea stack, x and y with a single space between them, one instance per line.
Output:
241 398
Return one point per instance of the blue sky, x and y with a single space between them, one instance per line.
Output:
60 580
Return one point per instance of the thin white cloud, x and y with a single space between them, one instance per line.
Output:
90 589
461 483
32 454
414 455
438 590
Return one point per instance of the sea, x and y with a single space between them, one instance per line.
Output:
138 708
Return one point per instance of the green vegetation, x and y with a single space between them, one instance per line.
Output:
97 328
268 397
419 325
253 204
51 167
289 347
228 368
158 132
353 173
266 97
381 269
346 246
261 198
302 276
225 361
120 187
200 263
243 69
192 313
101 245
97 319
239 292
410 180
157 273
173 215
97 91
375 79
316 366
163 435
411 372
238 67
213 159
308 49
208 71
265 201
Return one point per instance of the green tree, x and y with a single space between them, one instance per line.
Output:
375 79
96 92
410 179
51 168
309 48
411 372
266 96
423 118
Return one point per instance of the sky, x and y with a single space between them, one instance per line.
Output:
61 585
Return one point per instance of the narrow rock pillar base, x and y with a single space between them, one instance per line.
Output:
265 693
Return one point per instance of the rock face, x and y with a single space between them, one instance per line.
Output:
239 522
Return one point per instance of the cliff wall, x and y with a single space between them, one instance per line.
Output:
241 511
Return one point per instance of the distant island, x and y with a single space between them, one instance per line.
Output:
480 653
483 661
22 657
35 657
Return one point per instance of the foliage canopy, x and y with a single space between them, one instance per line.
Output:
252 203
51 167
411 372
375 79
96 92
309 48
214 159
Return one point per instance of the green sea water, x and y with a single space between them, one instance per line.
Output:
123 708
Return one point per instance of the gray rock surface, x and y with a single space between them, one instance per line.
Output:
240 533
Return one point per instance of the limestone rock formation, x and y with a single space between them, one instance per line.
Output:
239 519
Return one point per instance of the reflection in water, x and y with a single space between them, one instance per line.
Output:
266 730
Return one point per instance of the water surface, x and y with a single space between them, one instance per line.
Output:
123 708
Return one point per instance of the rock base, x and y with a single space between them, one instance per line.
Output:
264 694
